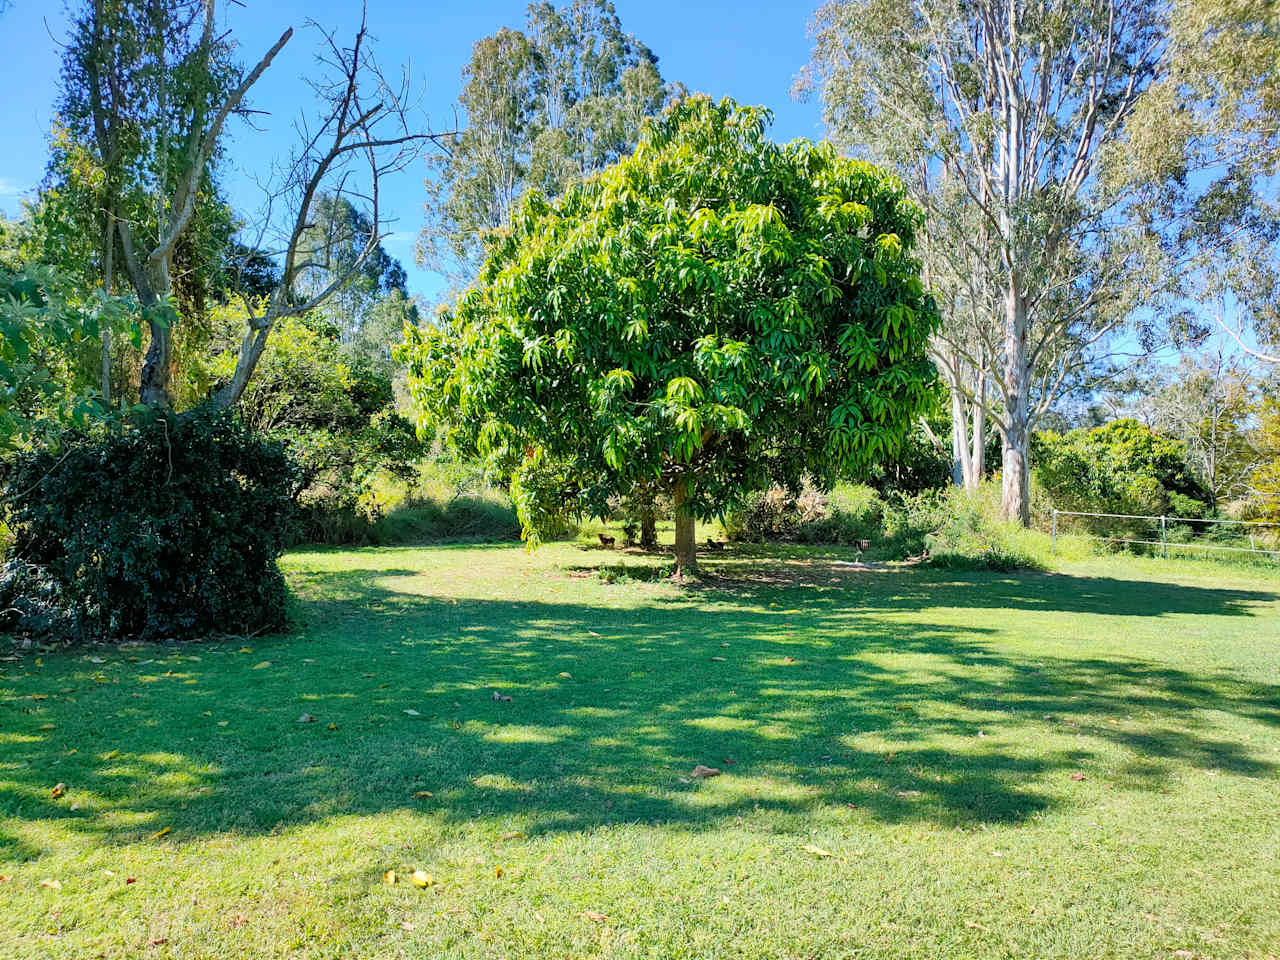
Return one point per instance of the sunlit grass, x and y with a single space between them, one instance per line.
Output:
914 762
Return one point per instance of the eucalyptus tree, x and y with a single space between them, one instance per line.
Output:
711 314
1213 121
1000 114
544 107
149 88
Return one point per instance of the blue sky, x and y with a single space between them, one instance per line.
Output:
748 49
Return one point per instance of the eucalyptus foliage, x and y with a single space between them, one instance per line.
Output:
713 313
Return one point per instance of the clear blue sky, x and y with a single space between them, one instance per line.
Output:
747 49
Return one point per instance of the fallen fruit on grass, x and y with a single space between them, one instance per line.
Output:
700 771
58 790
389 878
422 879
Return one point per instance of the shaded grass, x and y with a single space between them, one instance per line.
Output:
921 726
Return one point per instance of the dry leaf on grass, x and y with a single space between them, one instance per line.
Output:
1077 776
423 795
595 916
162 832
816 851
512 835
719 660
565 675
700 772
263 665
51 884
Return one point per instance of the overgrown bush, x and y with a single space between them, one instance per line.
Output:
843 517
169 529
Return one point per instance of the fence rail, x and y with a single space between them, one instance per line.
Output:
1163 542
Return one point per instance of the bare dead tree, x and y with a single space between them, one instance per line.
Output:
362 133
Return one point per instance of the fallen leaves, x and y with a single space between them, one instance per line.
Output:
595 916
423 795
817 851
58 790
512 835
262 666
700 772
162 832
565 675
51 884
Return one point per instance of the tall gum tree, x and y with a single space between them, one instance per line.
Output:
711 314
998 114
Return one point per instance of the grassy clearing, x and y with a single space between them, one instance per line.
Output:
916 762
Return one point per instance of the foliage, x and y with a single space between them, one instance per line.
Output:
1265 481
544 108
1210 404
168 530
334 414
1122 467
809 516
45 330
714 313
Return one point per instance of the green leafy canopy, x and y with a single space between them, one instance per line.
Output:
716 311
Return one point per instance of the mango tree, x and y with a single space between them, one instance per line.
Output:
712 314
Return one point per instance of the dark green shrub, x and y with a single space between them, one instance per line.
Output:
170 529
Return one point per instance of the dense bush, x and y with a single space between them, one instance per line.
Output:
335 416
170 529
843 517
953 527
1121 467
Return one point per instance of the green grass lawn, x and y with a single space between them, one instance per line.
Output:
916 763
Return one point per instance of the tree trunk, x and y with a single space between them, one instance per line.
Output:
648 528
959 441
686 543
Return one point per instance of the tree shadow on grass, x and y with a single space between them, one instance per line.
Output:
834 701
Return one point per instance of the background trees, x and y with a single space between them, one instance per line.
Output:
149 89
544 108
999 115
709 314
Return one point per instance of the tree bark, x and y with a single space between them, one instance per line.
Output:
686 543
1015 504
648 528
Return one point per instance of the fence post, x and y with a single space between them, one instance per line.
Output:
1164 546
1053 535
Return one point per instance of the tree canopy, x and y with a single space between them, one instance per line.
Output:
713 313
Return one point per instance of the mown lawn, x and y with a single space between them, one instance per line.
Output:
916 763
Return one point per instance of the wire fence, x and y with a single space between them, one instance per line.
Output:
1164 543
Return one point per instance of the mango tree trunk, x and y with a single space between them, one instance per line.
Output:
686 544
